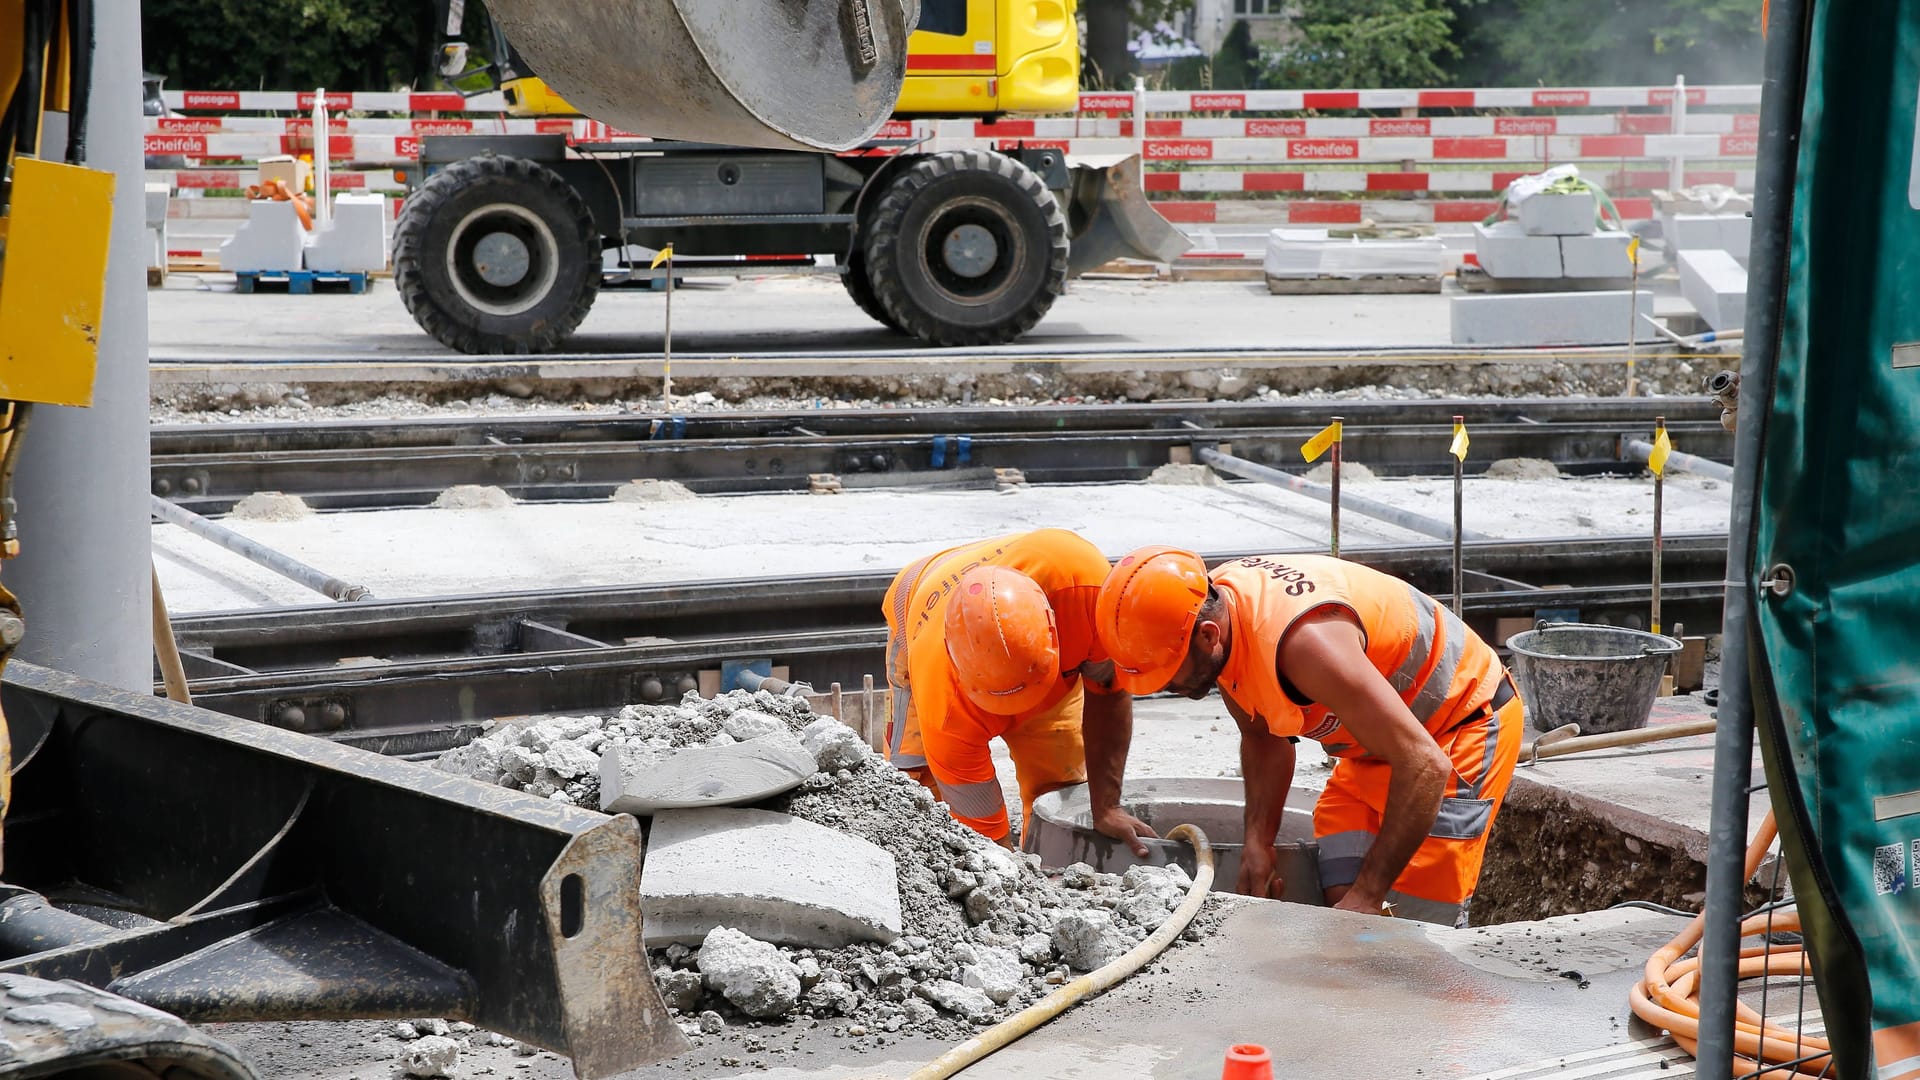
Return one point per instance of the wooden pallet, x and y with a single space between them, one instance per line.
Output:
300 282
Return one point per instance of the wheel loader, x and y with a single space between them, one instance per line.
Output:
501 245
168 866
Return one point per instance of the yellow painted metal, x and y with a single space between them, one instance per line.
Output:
53 282
1015 56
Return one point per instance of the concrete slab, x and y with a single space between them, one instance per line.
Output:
1715 283
1570 318
1695 232
1506 250
1600 255
770 876
642 779
401 553
1557 215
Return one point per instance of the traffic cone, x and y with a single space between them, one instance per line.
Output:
1247 1061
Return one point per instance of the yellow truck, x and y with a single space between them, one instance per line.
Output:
501 247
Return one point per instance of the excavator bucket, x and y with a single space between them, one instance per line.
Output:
1109 217
785 74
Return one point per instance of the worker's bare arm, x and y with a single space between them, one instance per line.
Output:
1266 769
1106 728
1324 657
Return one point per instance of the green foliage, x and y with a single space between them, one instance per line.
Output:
1357 43
1613 42
289 44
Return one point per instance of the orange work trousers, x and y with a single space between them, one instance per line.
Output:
1438 882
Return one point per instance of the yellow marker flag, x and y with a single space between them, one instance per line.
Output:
1633 251
1662 446
1460 440
1314 447
664 254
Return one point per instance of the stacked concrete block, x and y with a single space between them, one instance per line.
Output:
1600 255
1731 233
356 238
1561 318
1556 215
1301 254
1506 250
1715 284
271 239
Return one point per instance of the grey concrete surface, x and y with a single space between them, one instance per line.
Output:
197 317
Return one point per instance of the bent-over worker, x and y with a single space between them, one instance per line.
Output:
995 639
1417 710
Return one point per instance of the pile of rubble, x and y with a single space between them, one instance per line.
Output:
982 933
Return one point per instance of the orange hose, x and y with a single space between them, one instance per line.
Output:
1668 994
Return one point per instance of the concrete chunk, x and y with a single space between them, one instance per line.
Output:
640 779
1505 250
1599 255
1716 285
1569 318
1557 215
769 875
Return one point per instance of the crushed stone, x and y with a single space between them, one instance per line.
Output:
653 491
434 1055
985 931
1523 468
1178 474
270 506
472 497
1351 472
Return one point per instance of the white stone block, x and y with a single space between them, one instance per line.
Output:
771 876
270 239
1532 319
1695 232
1505 250
1736 236
356 239
1600 255
1716 285
1557 215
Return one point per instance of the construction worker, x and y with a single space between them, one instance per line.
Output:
995 639
1419 713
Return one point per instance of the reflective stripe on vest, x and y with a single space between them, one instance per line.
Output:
977 800
1431 674
905 586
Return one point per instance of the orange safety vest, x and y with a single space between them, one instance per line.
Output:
1442 670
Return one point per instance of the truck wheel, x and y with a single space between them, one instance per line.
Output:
497 255
967 248
860 286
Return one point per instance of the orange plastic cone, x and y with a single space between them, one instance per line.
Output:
1247 1062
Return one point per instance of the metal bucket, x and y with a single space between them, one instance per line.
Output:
810 75
1063 831
1603 678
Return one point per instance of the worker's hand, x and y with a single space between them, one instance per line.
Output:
1117 823
1365 905
1257 877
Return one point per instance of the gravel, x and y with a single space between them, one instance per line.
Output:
434 1055
985 931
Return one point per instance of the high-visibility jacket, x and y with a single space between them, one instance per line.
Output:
930 709
1443 671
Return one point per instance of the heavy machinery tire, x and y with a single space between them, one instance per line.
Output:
968 247
860 286
497 255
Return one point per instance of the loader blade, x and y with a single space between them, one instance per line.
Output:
786 74
1108 217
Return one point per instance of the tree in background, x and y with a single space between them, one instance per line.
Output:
289 44
1612 42
1337 44
1110 26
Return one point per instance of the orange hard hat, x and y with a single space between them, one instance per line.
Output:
1145 614
1002 640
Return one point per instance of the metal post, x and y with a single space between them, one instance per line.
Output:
1677 165
1659 501
666 381
1373 508
1140 126
322 162
1633 318
1459 516
1335 501
1781 86
84 575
